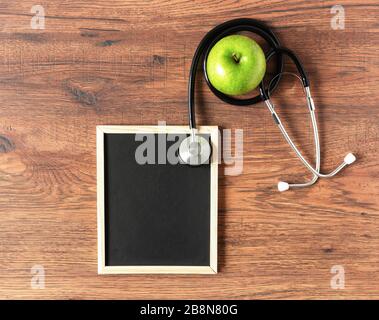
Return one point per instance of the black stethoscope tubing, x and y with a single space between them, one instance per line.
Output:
296 61
206 44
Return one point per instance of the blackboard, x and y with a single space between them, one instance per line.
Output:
155 214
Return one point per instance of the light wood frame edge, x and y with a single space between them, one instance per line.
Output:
102 268
100 199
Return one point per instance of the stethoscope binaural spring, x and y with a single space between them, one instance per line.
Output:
196 150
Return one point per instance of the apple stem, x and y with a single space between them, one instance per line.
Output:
236 57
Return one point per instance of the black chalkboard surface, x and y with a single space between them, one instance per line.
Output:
155 214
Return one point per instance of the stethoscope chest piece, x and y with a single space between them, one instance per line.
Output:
195 150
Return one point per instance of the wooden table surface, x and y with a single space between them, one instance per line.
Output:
127 62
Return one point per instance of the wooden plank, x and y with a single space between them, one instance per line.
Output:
126 63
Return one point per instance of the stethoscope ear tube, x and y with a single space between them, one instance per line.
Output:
349 158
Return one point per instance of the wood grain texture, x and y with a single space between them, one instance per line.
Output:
126 62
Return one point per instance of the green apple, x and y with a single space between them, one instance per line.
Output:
236 65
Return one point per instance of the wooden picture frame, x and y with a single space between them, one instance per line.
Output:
124 129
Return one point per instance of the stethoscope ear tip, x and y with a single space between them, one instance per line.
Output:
349 158
283 186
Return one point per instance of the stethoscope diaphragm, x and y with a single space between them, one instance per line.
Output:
195 150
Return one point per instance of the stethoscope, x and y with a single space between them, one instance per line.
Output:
196 150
